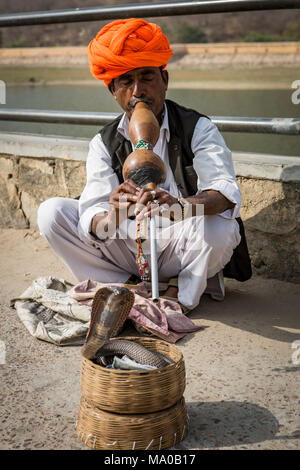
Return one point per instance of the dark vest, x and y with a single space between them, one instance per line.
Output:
182 122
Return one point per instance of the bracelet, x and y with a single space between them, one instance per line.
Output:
142 144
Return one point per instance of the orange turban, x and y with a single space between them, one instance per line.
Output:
125 45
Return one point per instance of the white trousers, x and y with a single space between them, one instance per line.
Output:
194 256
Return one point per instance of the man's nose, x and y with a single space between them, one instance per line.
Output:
138 89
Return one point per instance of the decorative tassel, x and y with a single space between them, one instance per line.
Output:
140 257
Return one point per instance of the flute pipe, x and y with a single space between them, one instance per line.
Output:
154 267
153 248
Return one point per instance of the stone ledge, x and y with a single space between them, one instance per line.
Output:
43 146
246 164
266 166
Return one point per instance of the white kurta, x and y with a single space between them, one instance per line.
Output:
204 245
212 163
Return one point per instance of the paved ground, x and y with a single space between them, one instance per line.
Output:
242 372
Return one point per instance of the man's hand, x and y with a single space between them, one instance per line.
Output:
129 196
213 201
148 202
121 199
125 195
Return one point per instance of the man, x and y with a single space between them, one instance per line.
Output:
131 56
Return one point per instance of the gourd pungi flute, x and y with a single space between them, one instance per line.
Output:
146 169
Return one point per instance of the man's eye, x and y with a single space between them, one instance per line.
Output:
125 82
148 78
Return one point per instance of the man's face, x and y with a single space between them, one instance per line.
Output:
146 84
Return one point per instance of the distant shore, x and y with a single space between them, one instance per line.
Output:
193 66
218 79
191 55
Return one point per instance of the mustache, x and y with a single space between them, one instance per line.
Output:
140 100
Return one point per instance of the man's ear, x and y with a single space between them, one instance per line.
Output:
165 77
111 87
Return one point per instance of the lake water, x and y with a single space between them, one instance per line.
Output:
245 103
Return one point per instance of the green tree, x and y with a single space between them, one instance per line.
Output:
255 36
18 43
292 31
188 33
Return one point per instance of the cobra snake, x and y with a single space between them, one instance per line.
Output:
110 308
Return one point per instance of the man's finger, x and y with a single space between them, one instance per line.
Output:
145 197
123 197
129 187
127 197
150 210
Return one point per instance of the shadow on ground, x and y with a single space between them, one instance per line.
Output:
228 424
265 307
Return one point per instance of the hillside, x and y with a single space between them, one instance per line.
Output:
221 27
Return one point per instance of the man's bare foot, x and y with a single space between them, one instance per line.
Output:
171 292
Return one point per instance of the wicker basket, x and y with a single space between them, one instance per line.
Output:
132 392
99 429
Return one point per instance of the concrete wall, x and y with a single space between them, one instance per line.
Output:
34 168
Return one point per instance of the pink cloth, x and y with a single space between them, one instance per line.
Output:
164 317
